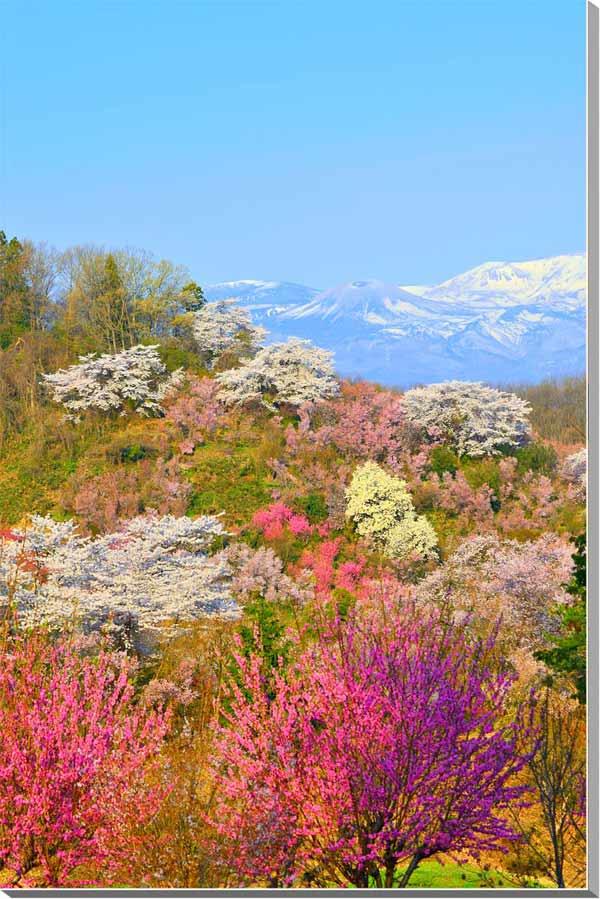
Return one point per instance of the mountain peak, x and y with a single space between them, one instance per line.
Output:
498 321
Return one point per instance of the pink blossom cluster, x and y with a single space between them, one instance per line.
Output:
320 561
79 763
366 423
197 413
101 502
456 495
277 518
260 573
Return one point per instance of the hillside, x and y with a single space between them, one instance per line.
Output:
234 585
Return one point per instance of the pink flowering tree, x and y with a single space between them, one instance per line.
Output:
278 518
79 764
390 740
197 412
323 564
259 572
364 422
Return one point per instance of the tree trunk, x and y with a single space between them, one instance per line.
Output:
414 864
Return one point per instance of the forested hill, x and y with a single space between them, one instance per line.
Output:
240 595
57 307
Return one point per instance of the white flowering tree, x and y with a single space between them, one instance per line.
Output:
475 419
382 509
574 469
132 379
519 582
154 572
290 373
222 326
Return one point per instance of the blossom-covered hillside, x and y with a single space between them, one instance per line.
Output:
326 633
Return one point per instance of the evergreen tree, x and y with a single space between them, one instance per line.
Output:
192 297
15 299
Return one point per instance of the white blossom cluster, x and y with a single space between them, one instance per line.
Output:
220 326
156 571
134 378
294 372
382 509
574 468
520 582
475 419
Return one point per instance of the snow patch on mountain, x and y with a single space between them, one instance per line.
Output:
500 321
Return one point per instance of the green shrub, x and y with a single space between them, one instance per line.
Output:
175 357
314 506
482 471
538 457
227 479
443 459
134 452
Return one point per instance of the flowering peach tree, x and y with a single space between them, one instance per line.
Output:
79 764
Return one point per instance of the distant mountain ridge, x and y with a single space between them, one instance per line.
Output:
498 322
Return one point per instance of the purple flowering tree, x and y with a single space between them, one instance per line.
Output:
391 740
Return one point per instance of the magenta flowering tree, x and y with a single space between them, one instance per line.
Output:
79 764
391 739
278 517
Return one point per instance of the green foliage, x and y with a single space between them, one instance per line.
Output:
264 634
314 506
228 479
135 452
443 459
482 471
174 356
344 601
192 297
567 656
14 319
537 457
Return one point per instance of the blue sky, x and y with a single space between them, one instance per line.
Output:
309 141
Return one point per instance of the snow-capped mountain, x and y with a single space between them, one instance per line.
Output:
501 321
263 295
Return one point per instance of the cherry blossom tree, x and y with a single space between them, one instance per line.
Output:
132 379
290 373
260 573
197 412
475 419
79 761
103 501
364 422
222 326
390 740
153 572
522 582
382 509
574 470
